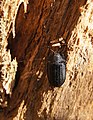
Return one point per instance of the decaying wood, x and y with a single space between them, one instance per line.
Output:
45 21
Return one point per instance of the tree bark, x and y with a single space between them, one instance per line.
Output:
33 98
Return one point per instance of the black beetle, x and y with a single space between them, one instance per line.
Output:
56 69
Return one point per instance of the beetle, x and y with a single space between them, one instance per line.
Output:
56 69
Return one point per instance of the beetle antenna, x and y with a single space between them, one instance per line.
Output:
51 49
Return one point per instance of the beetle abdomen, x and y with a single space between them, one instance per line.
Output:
56 71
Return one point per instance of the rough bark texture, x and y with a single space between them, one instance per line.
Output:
32 97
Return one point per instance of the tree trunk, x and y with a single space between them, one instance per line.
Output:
33 98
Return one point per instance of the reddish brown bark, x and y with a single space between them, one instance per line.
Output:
44 21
